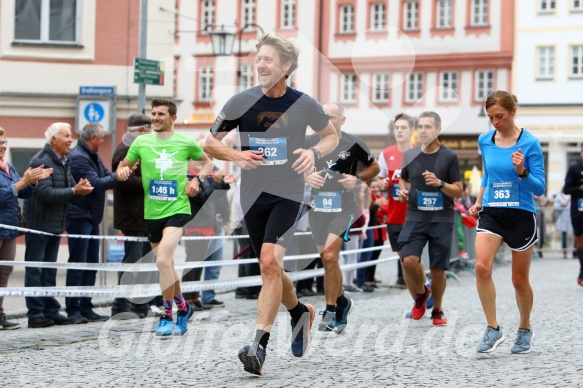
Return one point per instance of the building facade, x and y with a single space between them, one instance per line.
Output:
548 79
376 57
49 50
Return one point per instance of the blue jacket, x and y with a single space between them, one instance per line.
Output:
87 164
9 201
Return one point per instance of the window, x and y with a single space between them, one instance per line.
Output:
348 88
378 17
347 19
46 21
248 13
546 62
479 13
448 82
288 11
411 16
576 5
577 61
380 84
205 84
414 87
246 80
444 14
207 13
547 5
21 158
484 84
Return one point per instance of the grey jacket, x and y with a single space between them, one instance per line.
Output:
45 210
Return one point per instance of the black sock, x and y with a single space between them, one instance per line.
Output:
341 301
262 337
580 256
297 312
520 328
496 328
330 307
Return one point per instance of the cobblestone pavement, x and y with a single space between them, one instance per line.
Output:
379 348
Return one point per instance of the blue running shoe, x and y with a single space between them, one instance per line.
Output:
165 326
522 341
342 316
252 356
492 338
429 303
301 337
181 326
328 322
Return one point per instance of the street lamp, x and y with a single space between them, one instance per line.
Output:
222 42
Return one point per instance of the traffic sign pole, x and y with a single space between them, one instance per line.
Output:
142 52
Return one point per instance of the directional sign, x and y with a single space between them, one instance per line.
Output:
149 78
148 65
147 71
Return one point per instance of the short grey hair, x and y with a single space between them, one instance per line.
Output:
53 129
339 105
90 129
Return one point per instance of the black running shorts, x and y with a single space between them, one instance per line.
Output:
415 235
324 224
516 227
155 228
273 223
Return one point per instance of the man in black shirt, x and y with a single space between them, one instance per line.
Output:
334 208
272 120
574 186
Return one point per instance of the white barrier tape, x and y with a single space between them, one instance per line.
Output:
130 238
151 290
151 267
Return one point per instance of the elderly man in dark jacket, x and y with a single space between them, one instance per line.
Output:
84 216
128 216
45 211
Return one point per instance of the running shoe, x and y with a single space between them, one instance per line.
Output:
492 338
429 303
430 300
580 280
181 326
522 341
342 316
421 304
165 326
328 322
252 356
301 336
438 318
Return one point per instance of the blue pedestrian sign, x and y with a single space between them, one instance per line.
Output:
95 109
94 112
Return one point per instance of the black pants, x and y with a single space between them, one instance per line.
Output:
134 251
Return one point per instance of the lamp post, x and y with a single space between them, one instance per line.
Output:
222 42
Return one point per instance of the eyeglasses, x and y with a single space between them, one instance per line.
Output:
3 142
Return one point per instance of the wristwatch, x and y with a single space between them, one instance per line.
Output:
524 174
200 178
441 184
317 153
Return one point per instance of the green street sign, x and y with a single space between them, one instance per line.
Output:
149 72
149 78
143 65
